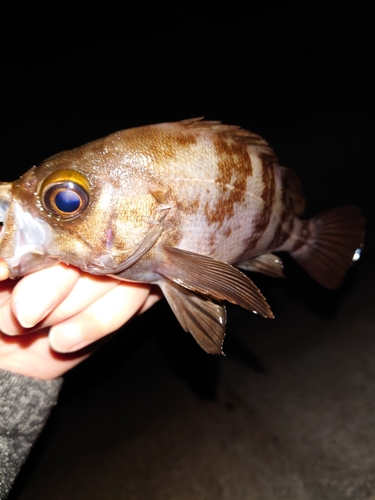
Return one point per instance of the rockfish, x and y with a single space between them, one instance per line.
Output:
181 205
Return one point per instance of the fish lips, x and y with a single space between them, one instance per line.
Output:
5 201
23 237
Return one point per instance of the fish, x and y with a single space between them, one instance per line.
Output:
185 205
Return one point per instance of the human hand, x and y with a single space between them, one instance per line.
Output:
48 317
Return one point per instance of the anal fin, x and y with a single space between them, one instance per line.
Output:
204 319
268 264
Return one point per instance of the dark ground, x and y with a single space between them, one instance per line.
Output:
290 412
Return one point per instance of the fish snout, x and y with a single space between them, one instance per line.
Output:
5 201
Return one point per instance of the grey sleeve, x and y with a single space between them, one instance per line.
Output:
25 404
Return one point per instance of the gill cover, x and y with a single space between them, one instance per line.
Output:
65 194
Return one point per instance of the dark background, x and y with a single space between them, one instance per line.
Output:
299 75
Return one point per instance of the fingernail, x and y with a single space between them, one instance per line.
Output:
67 338
29 313
8 321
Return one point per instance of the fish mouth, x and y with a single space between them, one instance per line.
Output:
5 202
23 237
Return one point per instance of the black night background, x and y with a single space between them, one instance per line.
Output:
289 412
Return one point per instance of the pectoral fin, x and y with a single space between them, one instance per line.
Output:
204 319
212 278
268 264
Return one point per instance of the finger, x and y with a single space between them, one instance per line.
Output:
9 324
32 356
102 317
8 321
4 271
6 285
87 290
37 294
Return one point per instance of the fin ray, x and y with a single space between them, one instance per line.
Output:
215 279
268 264
235 132
328 253
204 319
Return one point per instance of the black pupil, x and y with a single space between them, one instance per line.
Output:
67 201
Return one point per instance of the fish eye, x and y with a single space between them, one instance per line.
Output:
65 194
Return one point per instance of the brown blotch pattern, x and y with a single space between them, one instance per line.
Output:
173 222
285 201
158 143
227 232
285 216
212 241
234 166
281 234
264 216
186 208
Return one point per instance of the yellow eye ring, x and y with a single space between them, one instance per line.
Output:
65 194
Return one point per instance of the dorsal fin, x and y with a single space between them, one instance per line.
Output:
234 132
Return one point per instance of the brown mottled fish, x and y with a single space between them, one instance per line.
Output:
178 205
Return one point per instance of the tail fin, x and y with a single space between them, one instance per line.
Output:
335 241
